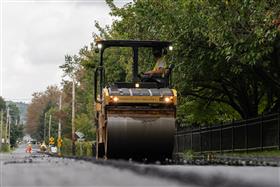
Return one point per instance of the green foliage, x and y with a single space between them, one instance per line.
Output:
70 66
43 103
14 113
188 154
22 110
195 111
84 149
226 56
16 130
224 52
5 148
2 104
84 124
228 52
53 111
66 148
254 153
16 134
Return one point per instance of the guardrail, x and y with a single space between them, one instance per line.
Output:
253 134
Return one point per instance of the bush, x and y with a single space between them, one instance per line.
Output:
83 149
5 148
66 148
188 154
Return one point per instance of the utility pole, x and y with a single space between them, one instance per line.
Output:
50 122
73 115
7 123
45 120
59 123
9 130
1 128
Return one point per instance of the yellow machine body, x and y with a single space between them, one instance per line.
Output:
137 125
150 99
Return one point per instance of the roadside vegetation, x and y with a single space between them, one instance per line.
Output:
83 149
226 56
16 128
273 153
265 153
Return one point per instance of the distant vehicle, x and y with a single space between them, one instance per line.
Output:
54 149
33 142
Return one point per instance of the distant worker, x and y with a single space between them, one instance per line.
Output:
28 148
43 147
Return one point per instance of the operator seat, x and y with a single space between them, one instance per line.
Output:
162 80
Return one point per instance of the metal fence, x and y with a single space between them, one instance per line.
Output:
252 134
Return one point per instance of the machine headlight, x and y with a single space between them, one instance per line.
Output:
170 48
137 85
167 99
115 99
99 46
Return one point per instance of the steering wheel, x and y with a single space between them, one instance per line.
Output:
150 79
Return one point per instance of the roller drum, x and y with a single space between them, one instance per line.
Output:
140 135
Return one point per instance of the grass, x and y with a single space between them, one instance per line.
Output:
189 154
265 153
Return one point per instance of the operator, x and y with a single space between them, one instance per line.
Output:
159 69
43 146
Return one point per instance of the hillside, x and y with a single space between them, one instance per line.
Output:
23 110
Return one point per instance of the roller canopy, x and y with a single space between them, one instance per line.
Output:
133 43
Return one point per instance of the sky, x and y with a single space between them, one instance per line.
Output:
35 36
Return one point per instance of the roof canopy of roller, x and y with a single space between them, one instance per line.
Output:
102 45
133 43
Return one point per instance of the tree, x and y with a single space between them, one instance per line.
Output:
14 113
225 51
84 125
83 85
40 104
16 130
2 104
231 51
226 56
16 134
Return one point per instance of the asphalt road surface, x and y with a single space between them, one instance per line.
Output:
22 169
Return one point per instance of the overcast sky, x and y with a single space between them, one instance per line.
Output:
37 34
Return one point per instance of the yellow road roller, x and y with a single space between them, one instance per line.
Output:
134 119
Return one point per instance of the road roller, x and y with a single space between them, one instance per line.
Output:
134 119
